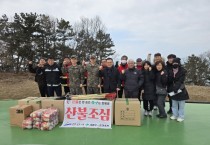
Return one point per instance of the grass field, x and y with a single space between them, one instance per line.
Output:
17 86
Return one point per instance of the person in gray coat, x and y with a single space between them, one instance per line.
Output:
133 79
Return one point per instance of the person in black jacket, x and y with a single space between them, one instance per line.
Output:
169 67
148 94
178 92
39 78
111 77
133 79
53 73
157 57
161 79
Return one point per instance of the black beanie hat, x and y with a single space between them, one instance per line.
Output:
171 56
177 60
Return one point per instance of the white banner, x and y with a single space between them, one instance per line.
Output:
87 114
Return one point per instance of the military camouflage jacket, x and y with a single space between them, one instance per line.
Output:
76 76
92 75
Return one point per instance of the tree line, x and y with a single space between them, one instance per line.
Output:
31 36
198 68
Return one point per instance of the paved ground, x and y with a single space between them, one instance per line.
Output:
195 130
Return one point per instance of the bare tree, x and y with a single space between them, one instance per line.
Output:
91 38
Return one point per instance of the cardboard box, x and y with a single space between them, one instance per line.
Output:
32 97
24 101
19 113
36 103
52 103
127 112
89 97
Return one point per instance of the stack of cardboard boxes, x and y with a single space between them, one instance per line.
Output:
124 111
26 106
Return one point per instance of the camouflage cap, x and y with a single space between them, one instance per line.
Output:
73 56
92 57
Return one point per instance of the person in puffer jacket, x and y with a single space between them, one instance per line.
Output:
53 73
133 79
178 92
148 89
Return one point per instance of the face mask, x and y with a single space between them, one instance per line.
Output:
175 66
123 62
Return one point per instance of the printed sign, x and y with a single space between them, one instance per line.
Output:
87 114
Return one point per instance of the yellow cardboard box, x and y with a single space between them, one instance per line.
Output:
19 113
127 112
36 103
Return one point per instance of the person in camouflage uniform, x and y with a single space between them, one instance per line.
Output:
76 77
92 76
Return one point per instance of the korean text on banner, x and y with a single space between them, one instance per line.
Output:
87 114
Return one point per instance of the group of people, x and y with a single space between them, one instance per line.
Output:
152 82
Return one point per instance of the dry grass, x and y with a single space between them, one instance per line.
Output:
13 86
199 93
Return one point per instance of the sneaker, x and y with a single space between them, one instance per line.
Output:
180 119
173 118
155 108
145 113
150 113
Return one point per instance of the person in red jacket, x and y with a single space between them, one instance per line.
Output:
122 67
65 79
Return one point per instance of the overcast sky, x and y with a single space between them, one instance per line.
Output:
137 27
